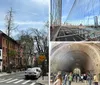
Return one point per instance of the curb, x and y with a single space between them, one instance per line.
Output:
45 82
5 73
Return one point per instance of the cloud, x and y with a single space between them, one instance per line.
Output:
82 9
35 14
27 13
41 2
29 22
86 21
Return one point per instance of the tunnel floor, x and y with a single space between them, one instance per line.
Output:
79 83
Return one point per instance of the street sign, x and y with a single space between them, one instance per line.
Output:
42 57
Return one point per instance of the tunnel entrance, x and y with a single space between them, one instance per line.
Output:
83 56
73 59
77 71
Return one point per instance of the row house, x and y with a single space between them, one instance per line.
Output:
15 59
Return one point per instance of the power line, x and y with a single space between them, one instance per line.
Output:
71 10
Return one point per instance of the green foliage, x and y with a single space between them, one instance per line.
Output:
12 53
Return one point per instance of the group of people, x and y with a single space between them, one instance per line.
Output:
59 79
68 78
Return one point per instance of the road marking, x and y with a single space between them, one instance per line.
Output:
18 81
26 81
2 79
11 81
6 80
33 83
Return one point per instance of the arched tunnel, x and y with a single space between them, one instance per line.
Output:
66 57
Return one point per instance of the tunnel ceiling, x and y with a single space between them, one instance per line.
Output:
69 59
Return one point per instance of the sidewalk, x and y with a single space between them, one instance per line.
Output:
3 74
45 81
78 83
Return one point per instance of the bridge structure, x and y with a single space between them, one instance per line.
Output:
87 29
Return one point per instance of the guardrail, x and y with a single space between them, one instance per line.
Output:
87 35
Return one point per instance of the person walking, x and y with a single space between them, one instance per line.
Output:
85 78
65 79
81 78
58 80
89 78
76 77
95 79
70 79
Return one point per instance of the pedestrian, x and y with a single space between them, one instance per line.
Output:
42 75
95 79
70 79
58 80
56 75
89 78
81 78
65 79
85 78
76 77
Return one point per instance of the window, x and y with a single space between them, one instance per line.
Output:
38 70
6 50
3 40
3 50
6 42
0 52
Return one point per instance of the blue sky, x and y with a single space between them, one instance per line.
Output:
27 13
81 11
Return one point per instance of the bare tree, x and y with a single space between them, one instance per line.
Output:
35 43
27 41
9 19
9 27
41 38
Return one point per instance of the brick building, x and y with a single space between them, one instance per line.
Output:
16 61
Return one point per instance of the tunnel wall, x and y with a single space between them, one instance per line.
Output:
90 49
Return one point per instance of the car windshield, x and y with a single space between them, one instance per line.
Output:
29 69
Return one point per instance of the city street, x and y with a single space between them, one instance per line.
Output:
19 79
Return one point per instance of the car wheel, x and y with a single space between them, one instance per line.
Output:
26 77
37 76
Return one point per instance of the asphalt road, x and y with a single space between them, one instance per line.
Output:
69 38
17 79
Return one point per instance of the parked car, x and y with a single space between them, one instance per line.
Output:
33 72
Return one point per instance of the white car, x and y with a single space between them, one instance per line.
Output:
33 72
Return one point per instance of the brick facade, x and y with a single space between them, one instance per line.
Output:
15 61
